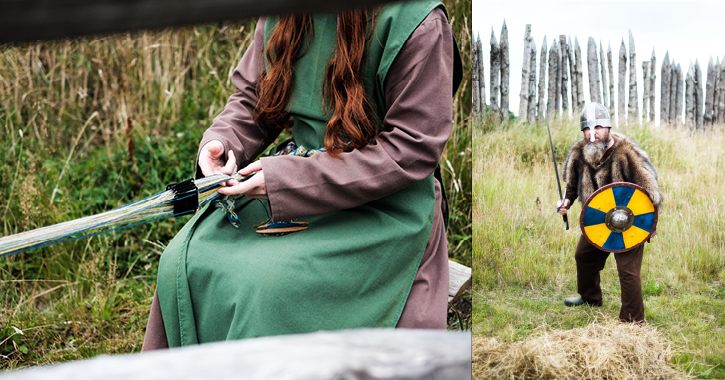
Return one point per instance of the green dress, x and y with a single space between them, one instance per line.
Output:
351 268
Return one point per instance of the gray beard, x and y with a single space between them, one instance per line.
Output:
593 152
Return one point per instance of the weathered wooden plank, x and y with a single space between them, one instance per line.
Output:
593 64
621 94
665 89
393 354
652 82
541 107
633 109
459 279
28 20
551 110
504 72
525 73
495 81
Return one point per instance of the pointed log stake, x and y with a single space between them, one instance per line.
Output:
564 77
633 110
475 85
673 93
605 84
495 81
680 95
665 90
610 64
690 98
556 171
721 93
572 71
621 93
716 99
504 73
532 83
652 82
579 75
525 73
645 93
481 76
709 93
541 112
551 109
593 65
699 99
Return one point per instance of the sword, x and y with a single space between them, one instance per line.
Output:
556 170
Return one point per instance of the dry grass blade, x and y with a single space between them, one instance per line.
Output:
601 350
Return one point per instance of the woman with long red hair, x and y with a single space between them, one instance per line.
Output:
367 95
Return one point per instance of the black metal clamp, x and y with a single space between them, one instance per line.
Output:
186 199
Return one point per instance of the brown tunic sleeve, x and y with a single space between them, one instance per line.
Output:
235 126
416 128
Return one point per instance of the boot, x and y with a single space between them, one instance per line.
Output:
577 301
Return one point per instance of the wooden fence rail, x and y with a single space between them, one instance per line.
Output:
385 354
29 20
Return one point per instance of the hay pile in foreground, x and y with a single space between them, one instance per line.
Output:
608 350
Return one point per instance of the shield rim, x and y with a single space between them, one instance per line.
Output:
609 186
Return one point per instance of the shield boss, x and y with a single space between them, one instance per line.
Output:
618 217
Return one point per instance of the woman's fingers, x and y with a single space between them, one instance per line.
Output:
210 157
254 187
231 165
251 168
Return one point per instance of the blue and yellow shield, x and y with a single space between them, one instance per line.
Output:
618 217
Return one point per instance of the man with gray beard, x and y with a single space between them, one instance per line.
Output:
600 158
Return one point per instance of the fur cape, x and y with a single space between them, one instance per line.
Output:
626 163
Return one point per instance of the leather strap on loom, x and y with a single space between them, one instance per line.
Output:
186 199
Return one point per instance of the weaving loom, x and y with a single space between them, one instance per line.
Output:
178 199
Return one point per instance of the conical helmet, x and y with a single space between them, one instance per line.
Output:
595 114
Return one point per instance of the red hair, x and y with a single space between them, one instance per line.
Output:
351 125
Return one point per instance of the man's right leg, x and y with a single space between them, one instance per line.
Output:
590 261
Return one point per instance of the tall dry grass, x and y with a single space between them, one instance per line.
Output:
523 258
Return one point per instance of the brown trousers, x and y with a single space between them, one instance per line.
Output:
590 261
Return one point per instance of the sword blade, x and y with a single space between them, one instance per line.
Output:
556 170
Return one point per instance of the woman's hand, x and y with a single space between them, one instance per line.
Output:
254 187
210 159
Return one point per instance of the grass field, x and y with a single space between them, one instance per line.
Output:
524 260
88 125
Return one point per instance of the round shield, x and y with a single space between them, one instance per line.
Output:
618 217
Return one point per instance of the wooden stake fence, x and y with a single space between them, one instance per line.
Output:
682 100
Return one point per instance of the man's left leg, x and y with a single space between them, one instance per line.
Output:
629 265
